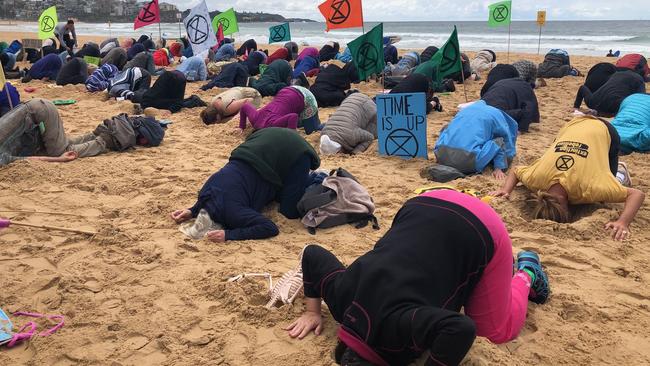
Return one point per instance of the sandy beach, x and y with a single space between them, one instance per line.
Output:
140 293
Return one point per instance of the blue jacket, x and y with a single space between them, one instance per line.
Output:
633 123
194 69
469 143
4 101
305 65
234 197
48 66
225 52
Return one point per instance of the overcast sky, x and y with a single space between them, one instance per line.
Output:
401 10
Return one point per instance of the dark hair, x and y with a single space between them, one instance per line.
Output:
70 21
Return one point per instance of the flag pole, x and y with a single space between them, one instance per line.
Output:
363 21
539 43
508 57
180 33
160 33
11 104
462 69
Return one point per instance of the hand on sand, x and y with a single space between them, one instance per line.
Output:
217 236
500 193
305 324
620 230
181 216
238 131
499 174
69 156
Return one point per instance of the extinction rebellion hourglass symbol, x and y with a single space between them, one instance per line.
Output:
147 16
278 33
47 24
368 56
500 13
198 29
341 11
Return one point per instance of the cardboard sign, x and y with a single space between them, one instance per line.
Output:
541 18
402 125
92 60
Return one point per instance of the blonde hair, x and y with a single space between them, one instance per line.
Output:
549 208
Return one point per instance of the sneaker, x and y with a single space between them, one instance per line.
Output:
623 175
438 106
539 290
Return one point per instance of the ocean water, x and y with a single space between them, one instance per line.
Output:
577 37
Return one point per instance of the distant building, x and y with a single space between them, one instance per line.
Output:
166 7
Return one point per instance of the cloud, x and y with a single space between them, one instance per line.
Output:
440 10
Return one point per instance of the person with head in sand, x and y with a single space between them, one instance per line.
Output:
478 136
351 128
580 167
445 251
194 68
607 99
34 131
273 164
229 103
285 110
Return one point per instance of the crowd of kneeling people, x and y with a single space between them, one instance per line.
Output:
424 284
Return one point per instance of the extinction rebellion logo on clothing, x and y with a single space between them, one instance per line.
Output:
566 162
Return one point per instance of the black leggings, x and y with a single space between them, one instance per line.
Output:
448 335
614 147
584 93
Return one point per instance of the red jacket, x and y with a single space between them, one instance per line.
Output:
636 63
161 58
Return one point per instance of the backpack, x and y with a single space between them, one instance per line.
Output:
339 200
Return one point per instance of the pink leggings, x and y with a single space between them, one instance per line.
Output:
499 302
266 117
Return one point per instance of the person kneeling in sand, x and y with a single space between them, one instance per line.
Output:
272 164
229 103
478 136
445 251
352 127
292 107
581 167
34 131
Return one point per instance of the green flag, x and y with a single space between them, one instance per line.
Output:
47 22
279 33
445 62
229 21
500 14
368 52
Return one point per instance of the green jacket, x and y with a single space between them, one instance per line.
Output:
275 77
273 151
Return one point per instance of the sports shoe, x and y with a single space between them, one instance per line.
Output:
623 175
539 290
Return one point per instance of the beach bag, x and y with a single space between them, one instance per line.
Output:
339 200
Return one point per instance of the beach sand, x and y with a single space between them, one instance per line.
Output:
140 293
